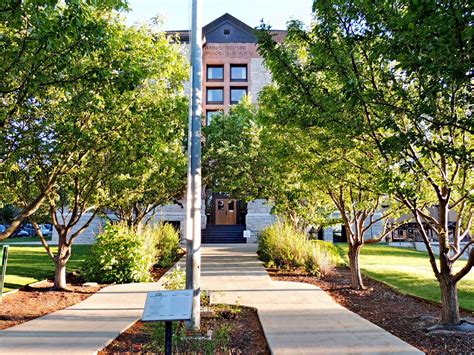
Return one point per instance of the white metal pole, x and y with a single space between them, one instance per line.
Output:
193 224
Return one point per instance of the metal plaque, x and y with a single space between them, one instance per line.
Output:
168 305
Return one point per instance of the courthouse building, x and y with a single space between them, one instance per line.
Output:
232 68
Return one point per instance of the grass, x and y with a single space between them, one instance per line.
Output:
409 271
25 240
27 264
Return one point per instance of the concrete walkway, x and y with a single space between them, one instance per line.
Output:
297 318
84 328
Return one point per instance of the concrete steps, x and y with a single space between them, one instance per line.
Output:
223 234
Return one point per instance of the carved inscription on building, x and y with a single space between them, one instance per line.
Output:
230 50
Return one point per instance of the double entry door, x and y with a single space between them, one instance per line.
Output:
226 211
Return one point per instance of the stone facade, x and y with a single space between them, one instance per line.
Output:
373 232
168 213
177 213
328 234
259 216
226 55
260 77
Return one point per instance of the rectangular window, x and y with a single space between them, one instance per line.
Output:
209 115
238 72
215 95
215 73
237 93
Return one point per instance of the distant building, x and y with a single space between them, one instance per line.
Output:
232 68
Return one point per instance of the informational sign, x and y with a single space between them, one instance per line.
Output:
246 234
168 305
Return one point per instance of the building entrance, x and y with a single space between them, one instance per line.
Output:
225 211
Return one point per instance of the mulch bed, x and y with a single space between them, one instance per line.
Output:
246 335
404 316
35 301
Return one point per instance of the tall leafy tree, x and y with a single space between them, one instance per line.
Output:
255 154
232 153
404 72
305 171
153 171
47 48
126 128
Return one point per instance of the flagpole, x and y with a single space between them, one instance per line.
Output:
193 205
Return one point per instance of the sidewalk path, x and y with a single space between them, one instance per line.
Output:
83 328
297 318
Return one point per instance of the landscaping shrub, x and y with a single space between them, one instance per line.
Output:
283 246
175 280
166 243
124 254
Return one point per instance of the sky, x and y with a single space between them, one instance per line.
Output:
177 13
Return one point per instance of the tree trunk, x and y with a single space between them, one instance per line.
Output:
60 260
449 292
356 277
449 301
60 275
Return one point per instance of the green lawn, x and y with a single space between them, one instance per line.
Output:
27 264
23 240
409 271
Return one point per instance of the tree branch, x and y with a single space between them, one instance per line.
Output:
465 270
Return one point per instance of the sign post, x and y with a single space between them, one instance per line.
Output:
168 306
4 268
168 337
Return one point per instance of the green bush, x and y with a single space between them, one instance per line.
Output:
175 280
124 254
166 243
283 246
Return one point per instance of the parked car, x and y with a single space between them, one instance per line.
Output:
20 233
28 228
46 229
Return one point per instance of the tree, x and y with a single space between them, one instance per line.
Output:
403 70
307 173
341 171
232 143
238 141
110 131
154 172
45 46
